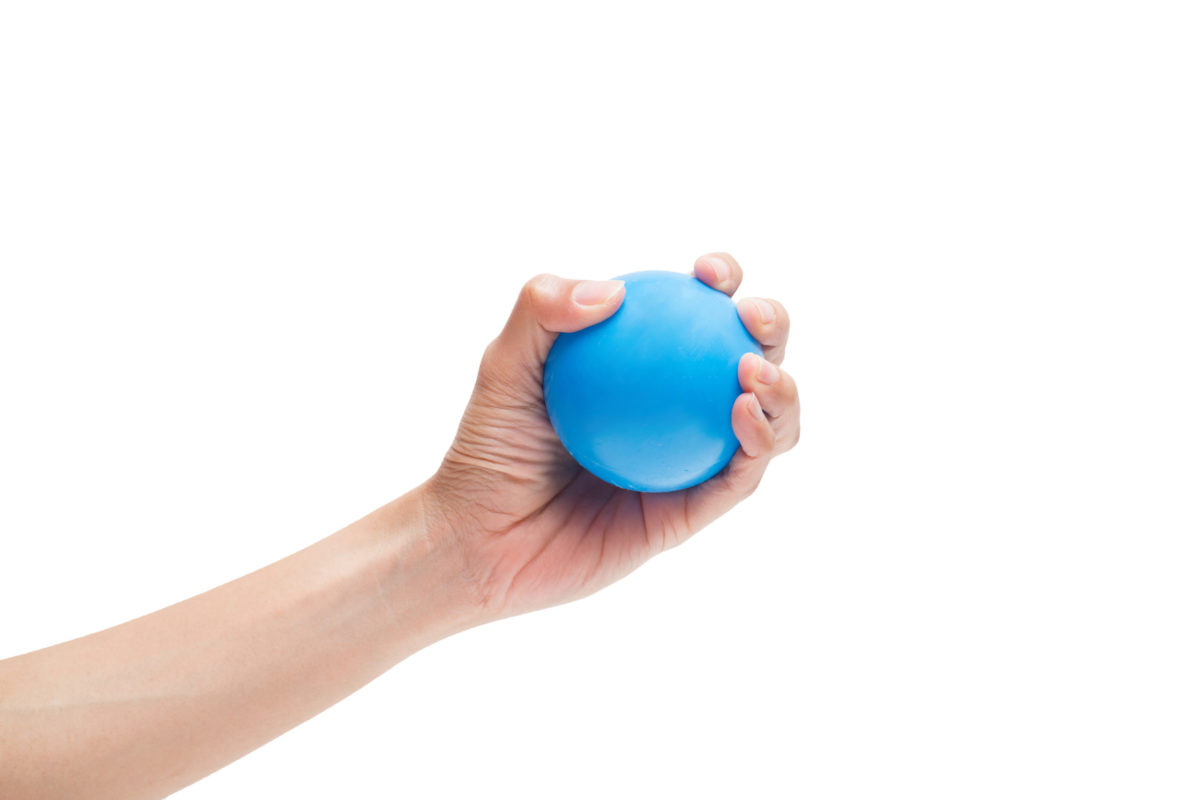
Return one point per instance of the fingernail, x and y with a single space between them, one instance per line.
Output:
756 408
768 373
720 269
766 311
595 293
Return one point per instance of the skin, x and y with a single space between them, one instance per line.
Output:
509 523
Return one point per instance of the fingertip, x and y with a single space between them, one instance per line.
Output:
756 409
747 369
711 271
749 318
565 306
756 313
751 427
598 293
719 271
767 321
596 302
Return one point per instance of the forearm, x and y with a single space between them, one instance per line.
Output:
149 706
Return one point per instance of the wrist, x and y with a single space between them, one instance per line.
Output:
422 572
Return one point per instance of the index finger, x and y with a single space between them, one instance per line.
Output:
720 271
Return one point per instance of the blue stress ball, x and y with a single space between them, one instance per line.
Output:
644 399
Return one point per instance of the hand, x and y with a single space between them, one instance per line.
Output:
535 529
509 523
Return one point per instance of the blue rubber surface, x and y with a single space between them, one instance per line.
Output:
643 400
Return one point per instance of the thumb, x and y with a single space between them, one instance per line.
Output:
547 306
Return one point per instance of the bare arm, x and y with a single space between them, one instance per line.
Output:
147 707
509 523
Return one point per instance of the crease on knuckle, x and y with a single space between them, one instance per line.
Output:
536 289
750 486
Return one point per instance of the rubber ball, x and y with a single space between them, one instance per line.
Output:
644 399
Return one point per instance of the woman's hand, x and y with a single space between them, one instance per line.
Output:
531 526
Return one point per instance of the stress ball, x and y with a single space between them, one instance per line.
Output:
644 399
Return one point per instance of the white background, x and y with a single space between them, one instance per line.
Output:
250 254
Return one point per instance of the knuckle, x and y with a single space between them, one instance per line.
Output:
537 288
750 486
489 364
792 436
489 353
